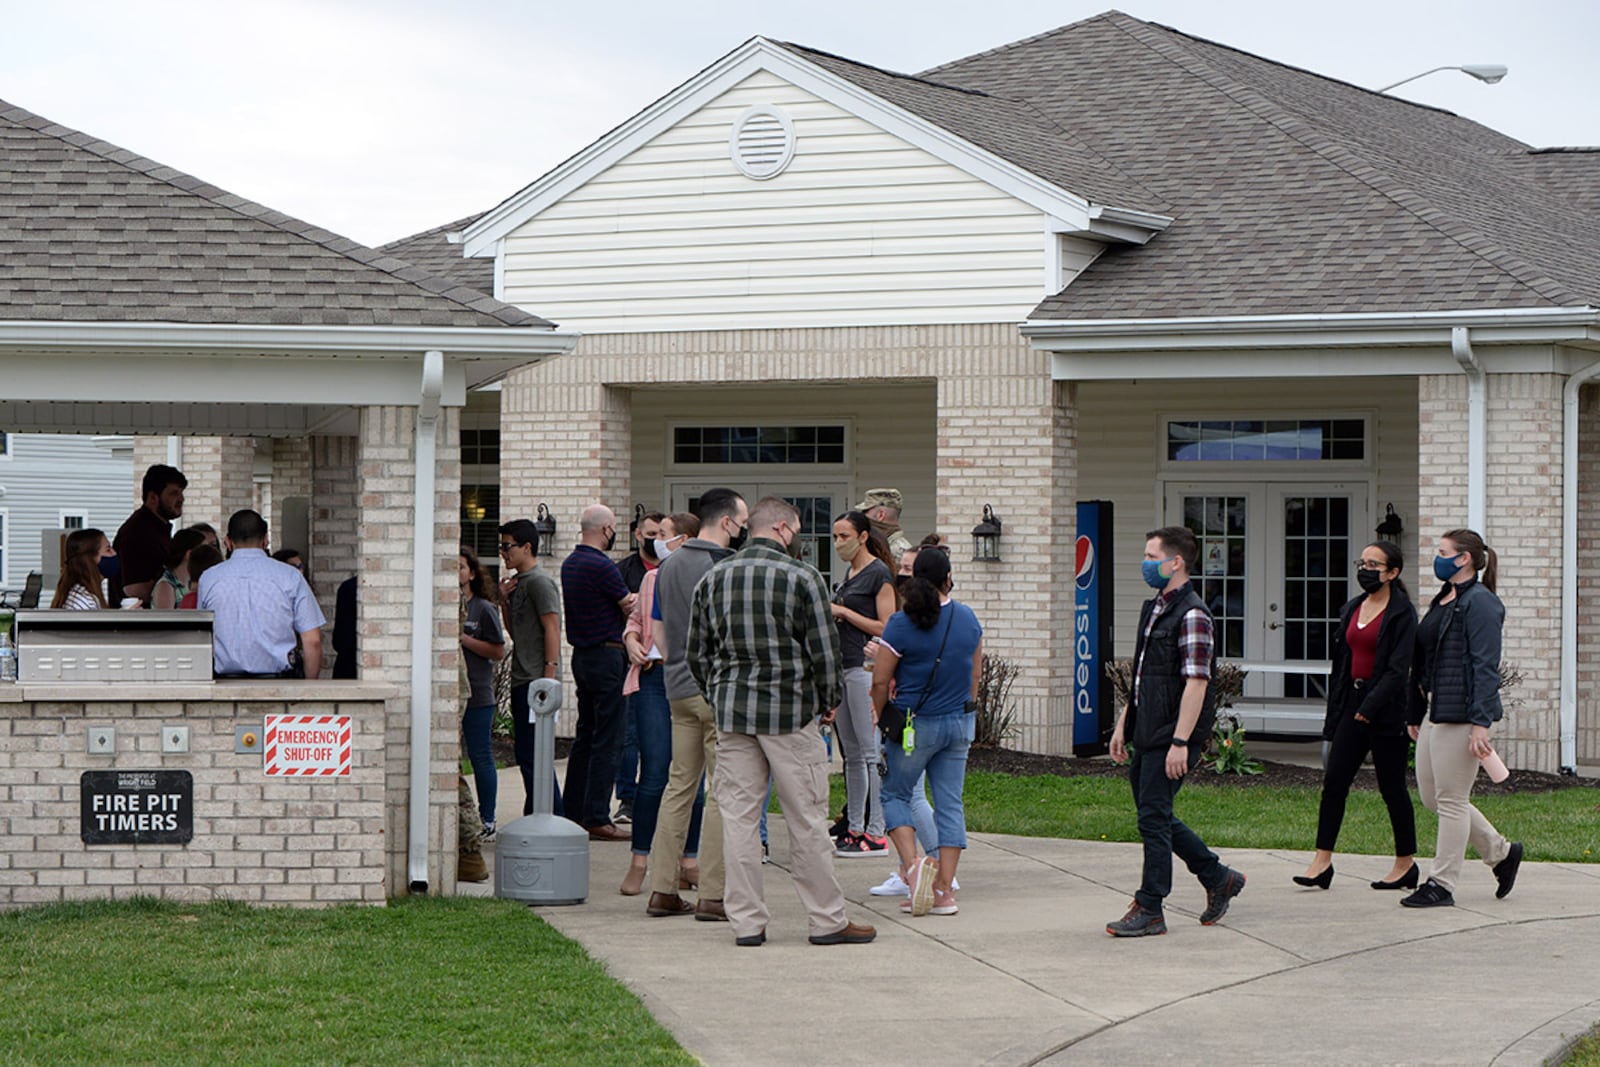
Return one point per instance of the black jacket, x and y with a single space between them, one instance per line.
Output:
1383 701
1152 718
1464 687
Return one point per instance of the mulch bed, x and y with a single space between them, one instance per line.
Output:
1026 764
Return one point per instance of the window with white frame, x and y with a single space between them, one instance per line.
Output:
1264 440
73 520
763 446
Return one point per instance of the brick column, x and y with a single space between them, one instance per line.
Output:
387 486
221 474
1588 747
1523 520
335 519
291 477
1007 437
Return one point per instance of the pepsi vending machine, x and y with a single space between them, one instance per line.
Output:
1092 697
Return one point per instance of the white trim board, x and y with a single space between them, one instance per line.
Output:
1075 213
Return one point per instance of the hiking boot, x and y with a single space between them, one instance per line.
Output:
1505 872
471 868
1431 895
849 934
1218 898
1139 922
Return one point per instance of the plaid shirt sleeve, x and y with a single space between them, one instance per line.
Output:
1197 644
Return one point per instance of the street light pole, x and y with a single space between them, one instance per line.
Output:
1488 73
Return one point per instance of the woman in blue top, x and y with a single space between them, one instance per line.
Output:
932 650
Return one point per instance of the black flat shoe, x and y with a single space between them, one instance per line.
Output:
1321 881
1405 881
1505 872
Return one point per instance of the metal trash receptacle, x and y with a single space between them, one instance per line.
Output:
542 858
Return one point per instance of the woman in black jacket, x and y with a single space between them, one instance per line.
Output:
1456 676
1367 707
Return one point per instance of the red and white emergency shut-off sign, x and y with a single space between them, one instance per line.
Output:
307 745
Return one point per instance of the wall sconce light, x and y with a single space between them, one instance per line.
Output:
986 538
1391 528
545 524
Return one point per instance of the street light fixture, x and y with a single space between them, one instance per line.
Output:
1488 73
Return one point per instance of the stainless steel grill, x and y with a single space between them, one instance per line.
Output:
113 646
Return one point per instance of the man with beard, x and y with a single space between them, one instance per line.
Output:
764 649
145 539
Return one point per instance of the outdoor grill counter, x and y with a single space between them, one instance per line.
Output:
122 647
132 771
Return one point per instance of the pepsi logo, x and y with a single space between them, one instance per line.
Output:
1085 553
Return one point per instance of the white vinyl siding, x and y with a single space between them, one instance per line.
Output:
50 475
891 439
1120 450
861 229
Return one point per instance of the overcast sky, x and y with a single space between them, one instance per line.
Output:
380 118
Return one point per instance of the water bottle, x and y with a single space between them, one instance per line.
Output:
8 658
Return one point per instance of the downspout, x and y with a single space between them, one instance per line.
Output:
422 568
1477 431
1569 565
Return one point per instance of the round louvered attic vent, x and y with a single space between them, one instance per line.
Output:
762 143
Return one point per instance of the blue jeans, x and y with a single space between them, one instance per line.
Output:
941 753
654 714
522 735
628 759
597 674
1163 832
476 726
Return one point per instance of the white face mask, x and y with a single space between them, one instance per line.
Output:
662 548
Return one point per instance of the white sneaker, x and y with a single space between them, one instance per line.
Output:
895 886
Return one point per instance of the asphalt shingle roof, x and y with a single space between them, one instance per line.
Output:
1292 192
436 255
90 232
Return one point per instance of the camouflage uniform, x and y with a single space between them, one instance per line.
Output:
469 827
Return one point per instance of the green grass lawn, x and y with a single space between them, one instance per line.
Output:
1559 825
425 980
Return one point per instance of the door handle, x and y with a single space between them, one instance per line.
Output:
1272 626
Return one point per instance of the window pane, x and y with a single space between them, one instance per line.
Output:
758 445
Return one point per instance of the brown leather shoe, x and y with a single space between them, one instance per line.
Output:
710 911
667 904
471 868
608 832
849 934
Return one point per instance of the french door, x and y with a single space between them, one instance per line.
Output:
1275 568
817 502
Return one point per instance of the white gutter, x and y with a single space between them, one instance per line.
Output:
422 568
390 341
1498 325
1477 426
1569 565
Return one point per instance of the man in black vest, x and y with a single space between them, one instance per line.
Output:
1166 723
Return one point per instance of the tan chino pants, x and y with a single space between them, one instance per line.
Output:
1446 769
694 752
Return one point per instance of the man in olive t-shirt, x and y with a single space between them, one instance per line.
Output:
530 603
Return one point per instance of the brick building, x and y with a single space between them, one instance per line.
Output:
1113 261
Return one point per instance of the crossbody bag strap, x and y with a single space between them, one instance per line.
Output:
927 689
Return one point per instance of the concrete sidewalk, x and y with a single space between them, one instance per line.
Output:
1025 974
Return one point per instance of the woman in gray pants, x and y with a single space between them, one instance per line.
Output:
861 605
1455 700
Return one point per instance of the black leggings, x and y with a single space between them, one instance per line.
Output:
1352 741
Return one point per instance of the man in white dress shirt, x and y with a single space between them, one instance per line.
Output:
260 606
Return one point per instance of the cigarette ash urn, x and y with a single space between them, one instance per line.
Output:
542 858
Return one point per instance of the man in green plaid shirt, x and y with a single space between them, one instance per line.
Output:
764 649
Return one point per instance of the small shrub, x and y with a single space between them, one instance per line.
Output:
1227 753
996 715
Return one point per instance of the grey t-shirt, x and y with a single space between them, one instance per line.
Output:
483 622
536 595
859 593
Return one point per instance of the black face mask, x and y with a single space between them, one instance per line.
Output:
901 579
736 542
1369 581
611 542
795 547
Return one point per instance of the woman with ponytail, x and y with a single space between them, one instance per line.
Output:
1455 699
861 605
932 652
1372 650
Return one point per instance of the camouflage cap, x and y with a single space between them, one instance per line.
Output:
881 498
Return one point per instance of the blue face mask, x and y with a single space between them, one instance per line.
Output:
1445 567
1151 569
111 566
